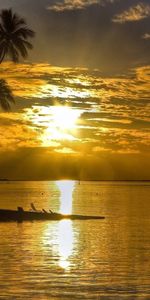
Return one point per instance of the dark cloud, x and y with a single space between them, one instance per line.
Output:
87 37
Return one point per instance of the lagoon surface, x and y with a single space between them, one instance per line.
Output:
92 259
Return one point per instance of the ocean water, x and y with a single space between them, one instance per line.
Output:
92 259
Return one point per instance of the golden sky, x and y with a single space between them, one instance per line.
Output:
83 96
75 123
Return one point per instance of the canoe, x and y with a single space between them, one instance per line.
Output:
21 215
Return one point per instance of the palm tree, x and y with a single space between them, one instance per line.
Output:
6 97
14 35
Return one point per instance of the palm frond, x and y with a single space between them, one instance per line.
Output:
24 32
6 96
21 48
14 35
13 53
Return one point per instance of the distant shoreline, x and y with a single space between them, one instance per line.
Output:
94 180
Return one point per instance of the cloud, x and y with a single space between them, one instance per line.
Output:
62 5
134 13
146 36
71 5
15 133
65 150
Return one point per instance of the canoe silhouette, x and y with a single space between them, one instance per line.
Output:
22 215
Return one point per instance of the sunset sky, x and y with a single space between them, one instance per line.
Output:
83 96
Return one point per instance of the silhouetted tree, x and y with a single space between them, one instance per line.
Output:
14 35
6 97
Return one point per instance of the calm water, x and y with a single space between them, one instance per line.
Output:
93 259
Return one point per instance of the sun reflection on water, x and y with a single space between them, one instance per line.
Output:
62 238
65 228
66 242
66 188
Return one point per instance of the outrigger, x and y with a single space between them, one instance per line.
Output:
21 215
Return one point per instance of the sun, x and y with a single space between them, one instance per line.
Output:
61 124
56 123
64 117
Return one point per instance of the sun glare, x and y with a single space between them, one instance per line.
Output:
57 122
64 117
62 124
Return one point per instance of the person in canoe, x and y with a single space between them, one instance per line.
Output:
33 207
